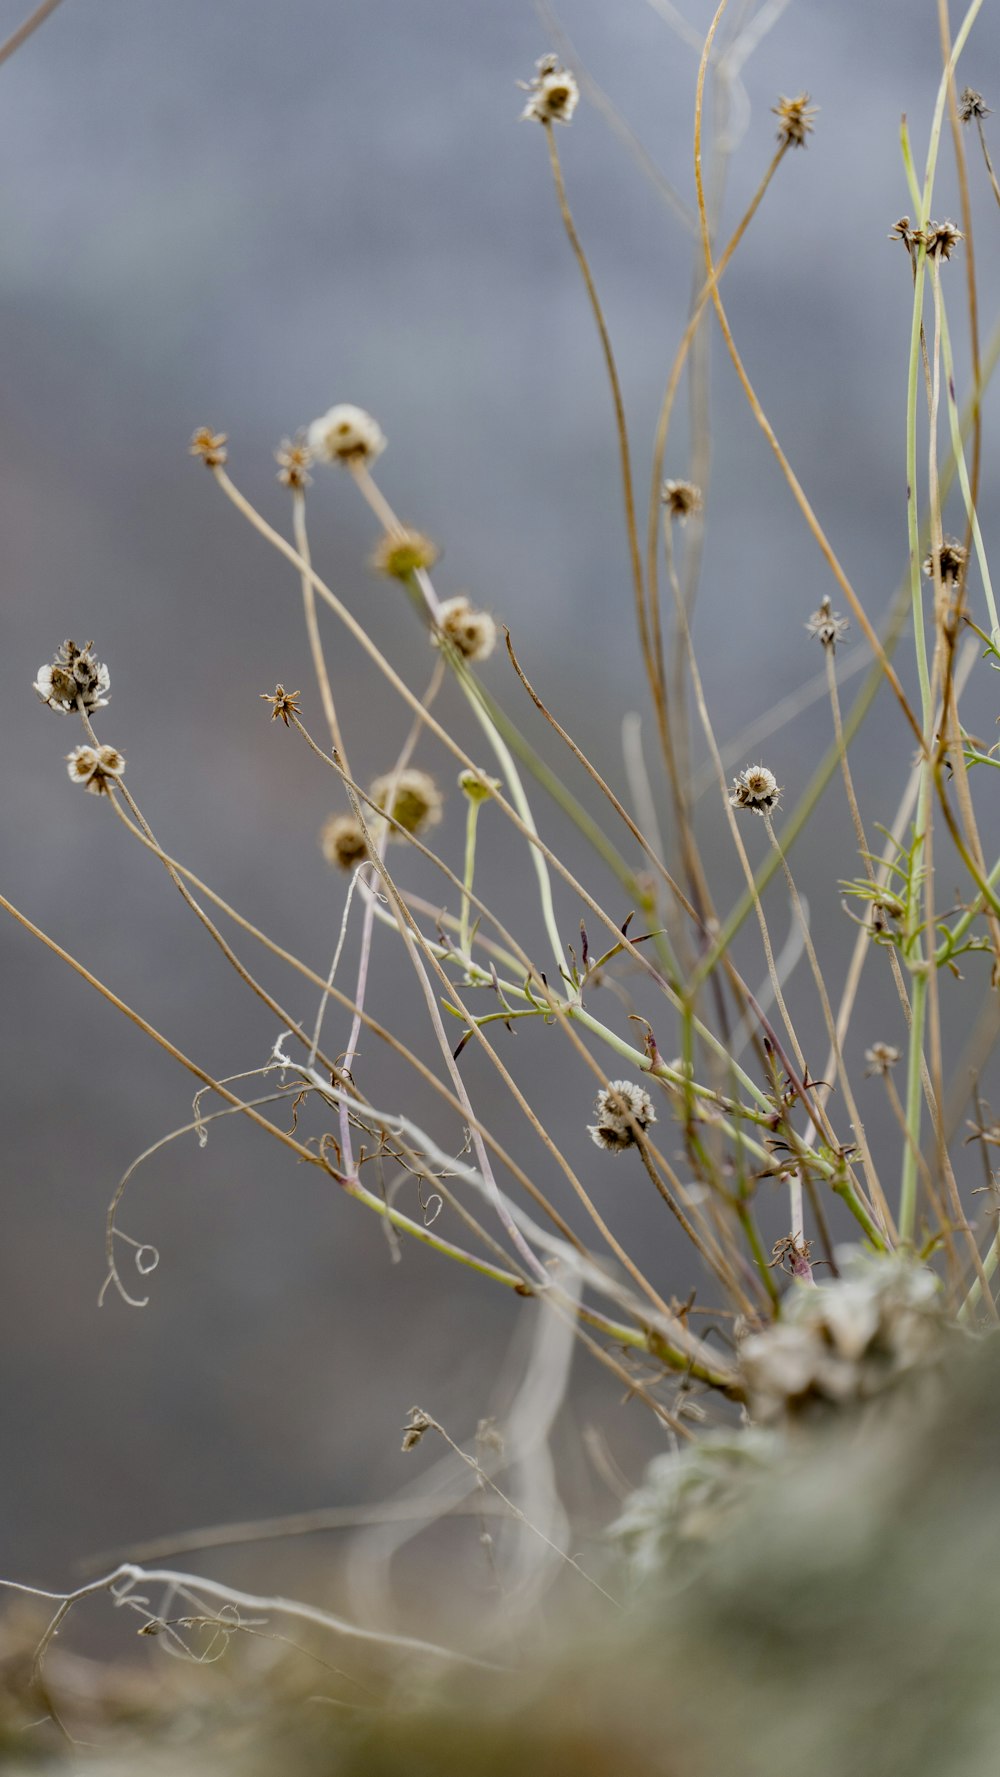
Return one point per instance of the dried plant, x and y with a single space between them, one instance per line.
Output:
827 1266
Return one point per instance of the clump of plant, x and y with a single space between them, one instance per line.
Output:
695 1083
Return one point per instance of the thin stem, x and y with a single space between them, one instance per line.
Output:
136 1018
957 447
673 382
471 823
27 29
760 416
380 506
961 165
312 626
986 157
621 425
908 1189
828 1018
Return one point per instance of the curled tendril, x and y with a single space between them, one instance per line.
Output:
431 1206
145 1257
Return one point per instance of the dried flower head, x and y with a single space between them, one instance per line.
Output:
755 788
972 104
794 120
472 632
940 239
903 232
681 498
416 799
845 1342
400 553
416 1425
827 625
346 435
342 841
622 1108
952 558
209 446
74 680
283 704
553 92
97 768
477 786
881 1058
294 457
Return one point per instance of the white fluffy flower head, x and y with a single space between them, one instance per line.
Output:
755 788
346 435
472 632
74 679
553 92
97 768
622 1107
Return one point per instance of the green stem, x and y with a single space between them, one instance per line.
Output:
830 763
939 105
464 921
914 1105
753 1240
512 779
986 887
912 514
846 1191
963 474
640 1338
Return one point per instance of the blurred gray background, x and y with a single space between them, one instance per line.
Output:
235 214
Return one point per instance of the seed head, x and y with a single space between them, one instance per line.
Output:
477 786
74 679
622 1107
755 788
401 553
97 768
553 93
881 1058
294 457
473 633
952 558
827 625
416 799
210 447
939 239
972 104
342 841
794 120
681 499
346 435
283 704
415 1427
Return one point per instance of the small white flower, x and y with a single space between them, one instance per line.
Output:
472 632
96 768
621 1107
827 625
681 499
881 1058
553 92
73 679
56 687
755 788
346 435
